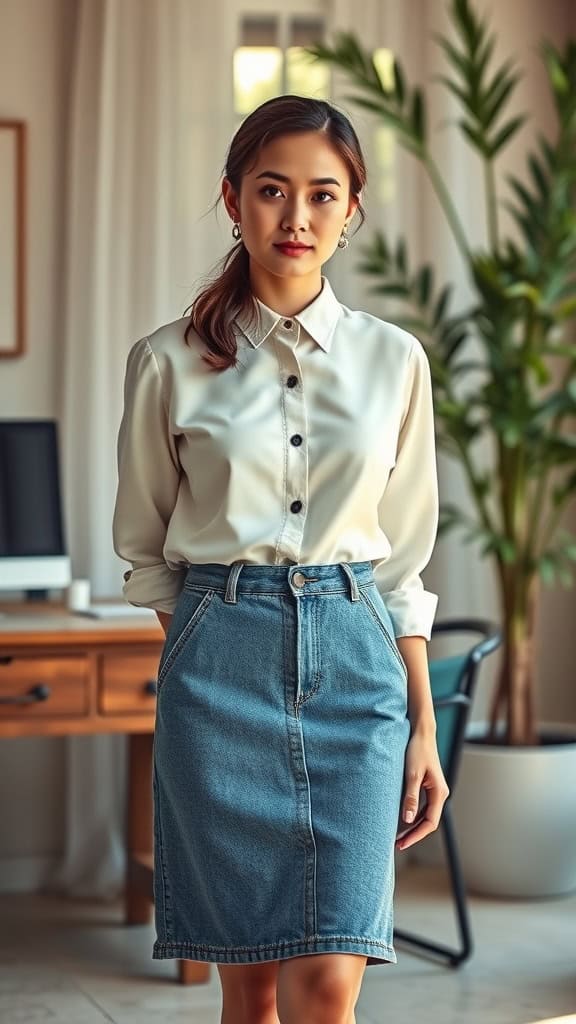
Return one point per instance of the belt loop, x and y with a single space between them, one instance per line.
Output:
354 592
235 570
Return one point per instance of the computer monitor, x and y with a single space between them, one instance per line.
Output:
33 552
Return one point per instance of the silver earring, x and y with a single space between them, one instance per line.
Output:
236 230
343 241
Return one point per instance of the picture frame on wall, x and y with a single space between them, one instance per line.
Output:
12 237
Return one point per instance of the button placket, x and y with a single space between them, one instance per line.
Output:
296 434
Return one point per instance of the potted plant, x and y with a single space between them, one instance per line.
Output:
504 382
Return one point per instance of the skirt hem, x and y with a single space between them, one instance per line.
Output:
377 952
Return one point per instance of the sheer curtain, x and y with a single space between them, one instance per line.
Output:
148 124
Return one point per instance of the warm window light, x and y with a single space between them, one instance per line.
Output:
570 1019
306 77
383 138
257 76
384 61
271 60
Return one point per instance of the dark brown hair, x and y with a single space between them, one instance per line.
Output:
230 293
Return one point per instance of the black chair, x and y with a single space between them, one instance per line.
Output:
453 680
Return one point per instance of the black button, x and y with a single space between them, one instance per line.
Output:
292 381
295 506
287 323
296 439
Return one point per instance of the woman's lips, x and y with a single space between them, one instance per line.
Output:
293 250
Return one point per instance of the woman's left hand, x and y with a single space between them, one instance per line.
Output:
422 769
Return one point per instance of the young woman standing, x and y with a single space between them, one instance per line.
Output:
277 500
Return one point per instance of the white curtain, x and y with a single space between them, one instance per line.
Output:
148 124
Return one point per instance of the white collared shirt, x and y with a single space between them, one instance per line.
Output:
317 448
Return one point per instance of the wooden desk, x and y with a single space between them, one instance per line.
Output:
63 674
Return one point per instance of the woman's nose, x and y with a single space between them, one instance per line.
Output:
295 218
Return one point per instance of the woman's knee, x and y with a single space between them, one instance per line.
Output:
323 987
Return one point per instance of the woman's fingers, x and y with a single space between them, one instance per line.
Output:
414 777
436 798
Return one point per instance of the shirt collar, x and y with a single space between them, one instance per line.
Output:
318 319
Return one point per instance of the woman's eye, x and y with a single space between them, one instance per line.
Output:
274 188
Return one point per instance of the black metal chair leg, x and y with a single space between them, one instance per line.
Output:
458 887
454 957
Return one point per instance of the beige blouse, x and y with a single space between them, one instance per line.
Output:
318 447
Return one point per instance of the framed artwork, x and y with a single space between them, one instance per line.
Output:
12 237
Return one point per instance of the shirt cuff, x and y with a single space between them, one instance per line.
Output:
412 614
154 586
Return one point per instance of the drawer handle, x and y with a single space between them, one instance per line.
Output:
37 693
150 687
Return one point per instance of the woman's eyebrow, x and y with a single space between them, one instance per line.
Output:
283 177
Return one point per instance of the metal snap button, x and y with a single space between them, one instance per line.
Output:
299 579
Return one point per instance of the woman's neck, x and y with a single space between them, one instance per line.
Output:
285 295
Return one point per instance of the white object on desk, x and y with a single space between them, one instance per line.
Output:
115 610
78 595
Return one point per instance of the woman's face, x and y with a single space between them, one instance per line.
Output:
298 191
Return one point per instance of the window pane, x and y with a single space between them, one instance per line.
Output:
306 77
383 140
257 76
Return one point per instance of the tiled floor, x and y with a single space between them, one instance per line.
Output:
64 962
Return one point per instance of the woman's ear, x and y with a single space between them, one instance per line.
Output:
230 199
353 206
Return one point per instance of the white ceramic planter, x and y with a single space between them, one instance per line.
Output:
515 816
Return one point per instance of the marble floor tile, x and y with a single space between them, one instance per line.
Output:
74 962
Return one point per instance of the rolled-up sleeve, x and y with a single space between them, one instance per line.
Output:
148 479
408 509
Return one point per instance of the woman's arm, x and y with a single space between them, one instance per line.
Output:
422 762
148 482
164 618
420 708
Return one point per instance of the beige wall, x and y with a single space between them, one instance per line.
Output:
34 50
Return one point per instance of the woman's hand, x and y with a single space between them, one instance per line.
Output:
423 769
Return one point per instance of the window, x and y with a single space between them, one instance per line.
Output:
270 60
383 140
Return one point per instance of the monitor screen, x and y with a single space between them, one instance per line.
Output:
30 506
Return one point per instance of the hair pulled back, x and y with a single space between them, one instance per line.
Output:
229 293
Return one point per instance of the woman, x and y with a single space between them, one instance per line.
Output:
277 500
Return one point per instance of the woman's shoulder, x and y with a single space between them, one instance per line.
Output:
367 325
168 345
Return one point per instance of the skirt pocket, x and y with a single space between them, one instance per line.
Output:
375 604
192 604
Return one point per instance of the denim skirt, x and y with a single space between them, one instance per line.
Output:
278 769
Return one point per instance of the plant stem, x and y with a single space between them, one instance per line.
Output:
491 203
537 545
476 493
447 205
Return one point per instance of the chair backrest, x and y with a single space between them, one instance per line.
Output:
453 682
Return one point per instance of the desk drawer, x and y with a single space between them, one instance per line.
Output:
128 683
44 687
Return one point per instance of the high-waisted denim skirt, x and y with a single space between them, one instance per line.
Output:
279 747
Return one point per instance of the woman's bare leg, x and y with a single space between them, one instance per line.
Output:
249 993
320 988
